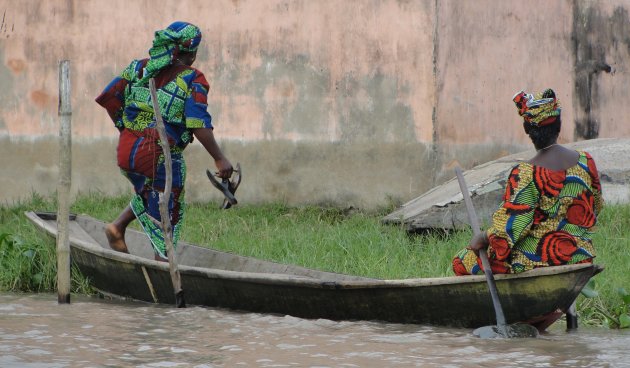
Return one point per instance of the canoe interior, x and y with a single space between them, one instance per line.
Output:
196 256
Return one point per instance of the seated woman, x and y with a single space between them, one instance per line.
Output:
550 205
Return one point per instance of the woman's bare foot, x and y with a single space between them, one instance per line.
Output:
116 238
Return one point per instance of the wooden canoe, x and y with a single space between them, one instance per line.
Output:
218 279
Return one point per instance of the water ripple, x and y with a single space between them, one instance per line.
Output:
37 332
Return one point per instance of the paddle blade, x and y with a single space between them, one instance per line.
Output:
180 302
511 331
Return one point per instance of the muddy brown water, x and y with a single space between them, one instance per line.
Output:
90 332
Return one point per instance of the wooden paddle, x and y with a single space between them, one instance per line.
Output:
167 229
501 329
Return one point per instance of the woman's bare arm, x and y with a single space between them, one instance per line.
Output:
206 137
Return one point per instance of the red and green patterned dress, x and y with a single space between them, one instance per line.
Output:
182 96
546 219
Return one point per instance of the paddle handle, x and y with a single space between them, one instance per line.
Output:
167 229
474 223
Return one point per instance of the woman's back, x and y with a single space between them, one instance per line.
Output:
547 214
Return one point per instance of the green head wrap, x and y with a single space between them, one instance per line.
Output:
168 43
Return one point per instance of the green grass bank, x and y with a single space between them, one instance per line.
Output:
331 239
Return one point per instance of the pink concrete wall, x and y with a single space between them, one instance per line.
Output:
325 70
488 53
278 69
343 101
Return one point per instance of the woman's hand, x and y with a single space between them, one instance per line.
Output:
225 168
479 241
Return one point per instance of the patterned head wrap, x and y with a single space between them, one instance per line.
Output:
538 110
168 43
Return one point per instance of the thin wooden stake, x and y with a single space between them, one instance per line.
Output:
63 189
167 229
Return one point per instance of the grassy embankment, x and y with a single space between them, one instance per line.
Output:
330 239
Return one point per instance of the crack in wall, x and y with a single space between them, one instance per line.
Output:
434 153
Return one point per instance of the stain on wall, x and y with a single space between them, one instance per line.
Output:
6 81
371 110
359 175
293 97
6 26
596 38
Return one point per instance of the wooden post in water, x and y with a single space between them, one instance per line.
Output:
63 188
167 229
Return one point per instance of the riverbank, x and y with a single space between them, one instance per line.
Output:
339 240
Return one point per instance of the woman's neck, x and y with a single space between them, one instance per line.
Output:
555 157
547 147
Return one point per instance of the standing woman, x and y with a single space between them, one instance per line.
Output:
182 96
550 204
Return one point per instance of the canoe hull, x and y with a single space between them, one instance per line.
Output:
241 283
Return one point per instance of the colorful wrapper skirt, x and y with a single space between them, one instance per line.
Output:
141 161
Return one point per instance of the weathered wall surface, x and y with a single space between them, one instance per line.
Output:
348 102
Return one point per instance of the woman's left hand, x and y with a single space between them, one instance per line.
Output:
479 241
